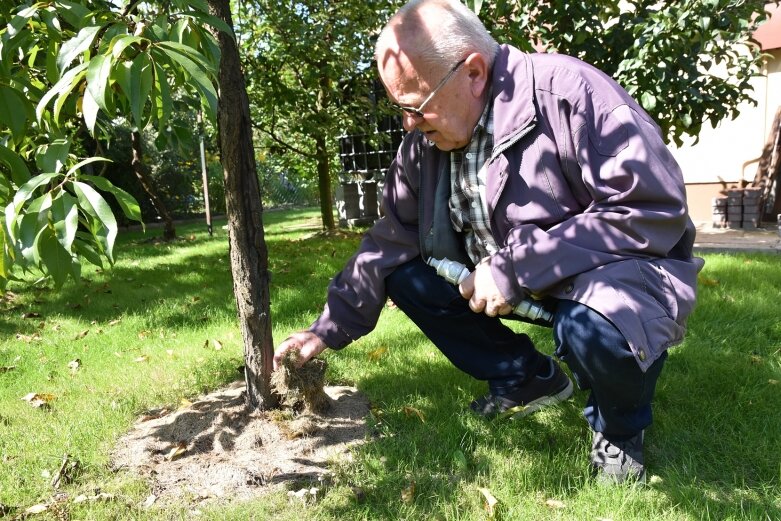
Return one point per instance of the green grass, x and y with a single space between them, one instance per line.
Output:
152 323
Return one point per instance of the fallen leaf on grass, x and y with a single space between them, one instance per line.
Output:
555 503
115 322
74 365
38 399
377 353
408 494
37 509
142 358
31 314
143 334
490 502
185 403
411 411
176 452
217 345
102 496
772 382
7 368
28 338
705 281
150 500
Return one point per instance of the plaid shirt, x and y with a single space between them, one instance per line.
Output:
468 207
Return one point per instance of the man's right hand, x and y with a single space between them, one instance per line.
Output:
306 343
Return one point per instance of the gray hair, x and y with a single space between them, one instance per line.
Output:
456 32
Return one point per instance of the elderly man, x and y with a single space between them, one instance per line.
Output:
549 181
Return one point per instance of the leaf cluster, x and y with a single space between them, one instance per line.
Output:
69 71
686 62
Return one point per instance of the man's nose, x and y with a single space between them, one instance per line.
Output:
410 121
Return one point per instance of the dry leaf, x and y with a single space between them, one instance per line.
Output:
408 494
7 368
177 451
31 314
377 353
217 345
153 415
142 358
37 509
150 500
115 322
412 411
705 281
185 403
555 503
196 299
490 502
143 334
74 365
27 338
771 381
169 352
39 399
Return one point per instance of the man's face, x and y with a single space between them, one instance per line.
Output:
449 117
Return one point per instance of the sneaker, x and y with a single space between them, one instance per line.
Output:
618 462
538 393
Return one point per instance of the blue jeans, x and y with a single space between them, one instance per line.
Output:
486 349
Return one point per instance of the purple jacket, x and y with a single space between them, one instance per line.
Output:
586 203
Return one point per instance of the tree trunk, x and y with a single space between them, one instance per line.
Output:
169 231
324 183
248 253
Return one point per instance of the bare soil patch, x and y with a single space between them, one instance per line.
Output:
218 448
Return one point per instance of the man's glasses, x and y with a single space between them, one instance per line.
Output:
418 112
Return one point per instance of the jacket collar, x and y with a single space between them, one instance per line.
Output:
513 97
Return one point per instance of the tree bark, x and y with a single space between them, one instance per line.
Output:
248 253
324 183
139 167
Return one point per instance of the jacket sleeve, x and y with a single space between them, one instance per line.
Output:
636 205
357 294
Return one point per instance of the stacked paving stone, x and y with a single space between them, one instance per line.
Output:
739 209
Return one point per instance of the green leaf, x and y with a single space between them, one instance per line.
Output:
73 13
56 259
76 45
98 73
648 101
220 25
51 158
90 109
83 248
161 98
13 111
65 219
92 202
20 174
126 201
203 83
120 43
27 190
65 84
75 168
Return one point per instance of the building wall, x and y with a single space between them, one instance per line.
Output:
716 161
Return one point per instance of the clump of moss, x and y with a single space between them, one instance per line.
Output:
301 388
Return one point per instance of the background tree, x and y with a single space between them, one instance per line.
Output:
309 68
686 62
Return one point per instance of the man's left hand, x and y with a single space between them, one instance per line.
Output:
479 287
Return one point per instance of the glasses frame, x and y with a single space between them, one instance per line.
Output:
418 111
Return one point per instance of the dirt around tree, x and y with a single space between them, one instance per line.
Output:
218 448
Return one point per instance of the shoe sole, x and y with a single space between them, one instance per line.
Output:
520 411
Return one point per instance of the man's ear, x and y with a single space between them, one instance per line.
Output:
478 70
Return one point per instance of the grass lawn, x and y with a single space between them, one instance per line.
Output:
160 327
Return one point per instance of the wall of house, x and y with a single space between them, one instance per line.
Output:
716 162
